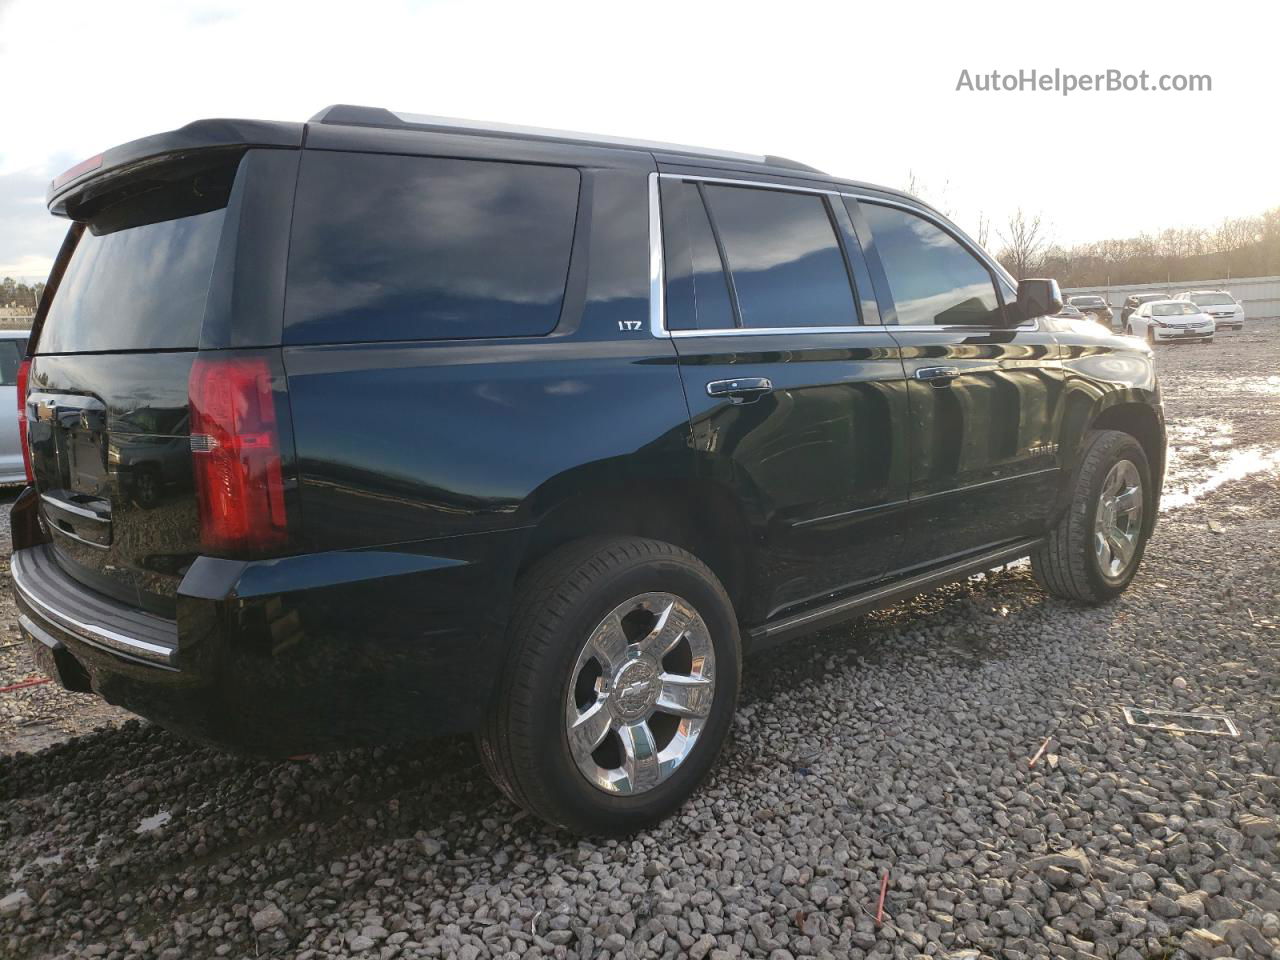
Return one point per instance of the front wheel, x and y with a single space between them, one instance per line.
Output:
1094 551
622 676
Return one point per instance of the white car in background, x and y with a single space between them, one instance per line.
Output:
13 349
1225 309
1163 321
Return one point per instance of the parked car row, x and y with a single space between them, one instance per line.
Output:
1220 305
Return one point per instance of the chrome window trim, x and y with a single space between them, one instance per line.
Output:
772 331
657 279
738 182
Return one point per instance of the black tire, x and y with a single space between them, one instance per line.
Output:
558 603
1066 565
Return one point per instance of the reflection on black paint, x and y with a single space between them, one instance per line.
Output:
414 248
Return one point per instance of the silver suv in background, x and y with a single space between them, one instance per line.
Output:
13 348
1219 304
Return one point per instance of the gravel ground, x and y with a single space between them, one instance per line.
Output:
898 745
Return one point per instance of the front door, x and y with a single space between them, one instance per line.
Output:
983 396
797 407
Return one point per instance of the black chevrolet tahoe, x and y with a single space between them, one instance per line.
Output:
383 426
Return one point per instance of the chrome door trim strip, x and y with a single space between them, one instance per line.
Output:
951 491
887 505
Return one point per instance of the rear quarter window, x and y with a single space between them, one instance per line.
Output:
427 248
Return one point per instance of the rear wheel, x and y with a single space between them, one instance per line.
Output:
1094 551
620 687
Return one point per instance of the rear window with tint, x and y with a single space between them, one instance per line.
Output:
139 276
425 248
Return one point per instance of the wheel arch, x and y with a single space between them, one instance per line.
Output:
699 516
1143 423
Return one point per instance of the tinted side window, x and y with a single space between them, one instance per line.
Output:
787 266
697 291
424 248
933 279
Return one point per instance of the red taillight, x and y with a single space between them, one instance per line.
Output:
24 374
235 452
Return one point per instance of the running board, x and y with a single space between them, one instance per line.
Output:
784 628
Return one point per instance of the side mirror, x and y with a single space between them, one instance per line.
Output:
1038 298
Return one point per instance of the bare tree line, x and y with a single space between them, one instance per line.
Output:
1237 247
14 293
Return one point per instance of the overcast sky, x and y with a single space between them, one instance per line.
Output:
864 91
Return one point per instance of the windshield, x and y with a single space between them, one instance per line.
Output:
1173 310
1212 300
1086 301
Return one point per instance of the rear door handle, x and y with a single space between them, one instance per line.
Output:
938 376
741 390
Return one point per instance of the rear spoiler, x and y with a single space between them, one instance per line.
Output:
77 187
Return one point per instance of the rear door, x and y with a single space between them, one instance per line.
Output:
797 404
107 402
984 397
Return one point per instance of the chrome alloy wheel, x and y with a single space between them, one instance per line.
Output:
1117 525
640 693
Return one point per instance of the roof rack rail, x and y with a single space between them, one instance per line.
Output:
349 115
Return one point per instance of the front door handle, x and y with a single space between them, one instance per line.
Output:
742 390
938 376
